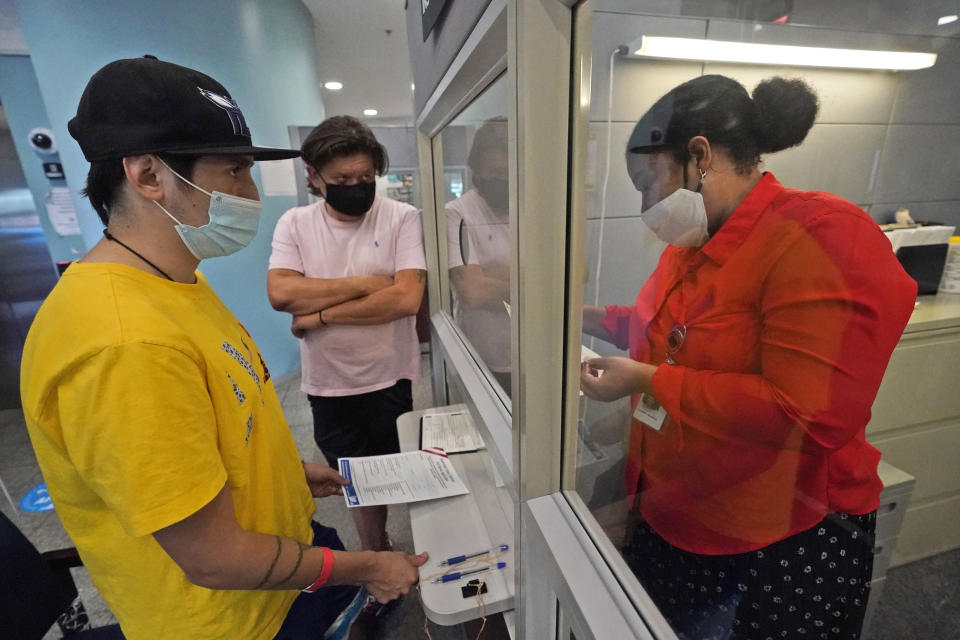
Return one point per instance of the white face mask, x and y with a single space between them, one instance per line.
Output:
680 219
233 223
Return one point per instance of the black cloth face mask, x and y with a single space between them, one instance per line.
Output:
495 191
352 200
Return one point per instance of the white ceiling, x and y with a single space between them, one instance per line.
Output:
355 48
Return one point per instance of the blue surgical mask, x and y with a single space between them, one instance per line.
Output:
233 223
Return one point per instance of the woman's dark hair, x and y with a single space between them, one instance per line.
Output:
342 136
106 177
778 116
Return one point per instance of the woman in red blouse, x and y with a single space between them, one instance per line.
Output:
756 350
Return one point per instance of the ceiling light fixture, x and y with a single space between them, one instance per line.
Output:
788 55
370 112
333 85
946 20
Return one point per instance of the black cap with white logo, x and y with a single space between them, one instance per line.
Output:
144 105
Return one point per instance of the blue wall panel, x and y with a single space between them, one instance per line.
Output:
264 53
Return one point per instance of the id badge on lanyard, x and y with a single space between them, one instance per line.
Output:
650 412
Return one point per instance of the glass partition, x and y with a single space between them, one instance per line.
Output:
476 181
742 305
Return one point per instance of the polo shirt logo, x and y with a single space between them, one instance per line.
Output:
230 106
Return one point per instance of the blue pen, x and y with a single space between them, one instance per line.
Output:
464 558
450 577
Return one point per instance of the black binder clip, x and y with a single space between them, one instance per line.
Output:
474 588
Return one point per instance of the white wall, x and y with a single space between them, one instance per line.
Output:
883 140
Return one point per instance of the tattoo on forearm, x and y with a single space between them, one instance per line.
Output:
301 547
273 564
421 276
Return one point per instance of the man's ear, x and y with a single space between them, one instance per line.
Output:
313 177
147 177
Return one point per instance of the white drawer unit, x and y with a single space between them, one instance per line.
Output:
916 426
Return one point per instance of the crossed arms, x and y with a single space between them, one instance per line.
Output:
358 300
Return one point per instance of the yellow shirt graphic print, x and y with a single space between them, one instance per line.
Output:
140 409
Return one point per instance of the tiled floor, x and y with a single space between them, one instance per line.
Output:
920 600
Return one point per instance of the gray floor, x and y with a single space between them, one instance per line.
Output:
921 601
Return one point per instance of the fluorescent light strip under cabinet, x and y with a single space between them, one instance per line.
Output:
778 54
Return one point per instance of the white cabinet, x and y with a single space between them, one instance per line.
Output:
916 425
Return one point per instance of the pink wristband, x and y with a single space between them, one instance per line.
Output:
324 571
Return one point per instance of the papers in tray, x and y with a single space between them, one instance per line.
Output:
453 432
400 477
933 234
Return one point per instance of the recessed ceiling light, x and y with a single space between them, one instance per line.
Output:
370 112
946 20
333 86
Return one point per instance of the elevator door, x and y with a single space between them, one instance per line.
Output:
26 271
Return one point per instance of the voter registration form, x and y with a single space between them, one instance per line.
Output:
400 477
452 432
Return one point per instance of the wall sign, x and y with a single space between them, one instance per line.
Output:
430 10
37 500
53 170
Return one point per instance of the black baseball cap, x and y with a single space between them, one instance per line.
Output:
144 105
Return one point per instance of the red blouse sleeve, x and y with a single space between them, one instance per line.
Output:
617 322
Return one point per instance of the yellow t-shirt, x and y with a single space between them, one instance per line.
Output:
143 397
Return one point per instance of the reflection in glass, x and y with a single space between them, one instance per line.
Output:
723 443
478 238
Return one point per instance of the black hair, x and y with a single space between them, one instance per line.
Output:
490 137
341 136
106 178
779 115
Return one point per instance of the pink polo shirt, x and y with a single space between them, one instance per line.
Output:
345 360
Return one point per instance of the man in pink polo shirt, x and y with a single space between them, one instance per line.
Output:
350 270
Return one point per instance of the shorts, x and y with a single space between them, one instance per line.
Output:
360 425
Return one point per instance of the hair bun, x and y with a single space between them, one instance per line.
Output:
785 112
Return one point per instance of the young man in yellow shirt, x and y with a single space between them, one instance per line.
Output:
151 410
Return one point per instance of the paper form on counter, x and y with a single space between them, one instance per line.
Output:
453 432
400 477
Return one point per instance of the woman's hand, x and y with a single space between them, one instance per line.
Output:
323 480
608 379
302 324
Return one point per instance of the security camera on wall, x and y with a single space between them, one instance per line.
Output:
42 141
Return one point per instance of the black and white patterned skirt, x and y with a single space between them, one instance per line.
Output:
814 584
